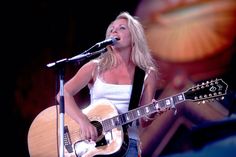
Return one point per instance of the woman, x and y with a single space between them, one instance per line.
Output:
112 73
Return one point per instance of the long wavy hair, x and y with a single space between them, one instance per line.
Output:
140 54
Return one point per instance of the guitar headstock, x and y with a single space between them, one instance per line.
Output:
213 89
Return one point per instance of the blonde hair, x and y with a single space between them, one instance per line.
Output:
140 54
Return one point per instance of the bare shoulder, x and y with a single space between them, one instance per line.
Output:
83 76
90 69
90 66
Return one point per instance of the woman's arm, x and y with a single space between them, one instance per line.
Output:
149 92
81 79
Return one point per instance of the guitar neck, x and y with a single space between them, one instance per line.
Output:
142 111
207 90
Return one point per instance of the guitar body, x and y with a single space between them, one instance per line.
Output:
44 140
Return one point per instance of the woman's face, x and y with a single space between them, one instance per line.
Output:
119 29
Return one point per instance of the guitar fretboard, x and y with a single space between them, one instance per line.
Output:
139 112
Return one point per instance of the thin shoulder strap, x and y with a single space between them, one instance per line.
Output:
137 87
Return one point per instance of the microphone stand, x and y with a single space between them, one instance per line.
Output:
60 67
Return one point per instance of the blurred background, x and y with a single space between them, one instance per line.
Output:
192 41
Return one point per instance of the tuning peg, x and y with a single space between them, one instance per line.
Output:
222 98
203 101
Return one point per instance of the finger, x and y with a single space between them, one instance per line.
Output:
94 137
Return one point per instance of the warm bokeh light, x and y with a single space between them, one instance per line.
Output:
183 31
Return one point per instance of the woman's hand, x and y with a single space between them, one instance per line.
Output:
87 130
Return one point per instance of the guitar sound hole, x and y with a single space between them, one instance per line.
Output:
101 140
98 125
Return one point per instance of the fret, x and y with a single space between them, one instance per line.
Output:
178 98
126 116
156 106
115 121
171 101
118 120
105 124
161 104
123 119
142 110
147 110
112 122
138 113
167 102
153 107
134 113
131 115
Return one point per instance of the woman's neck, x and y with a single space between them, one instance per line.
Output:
123 56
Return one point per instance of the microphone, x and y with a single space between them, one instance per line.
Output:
98 48
102 44
110 41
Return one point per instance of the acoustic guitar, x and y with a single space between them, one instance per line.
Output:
43 134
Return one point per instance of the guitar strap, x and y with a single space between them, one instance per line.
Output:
137 88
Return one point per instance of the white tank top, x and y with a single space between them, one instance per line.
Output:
118 95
